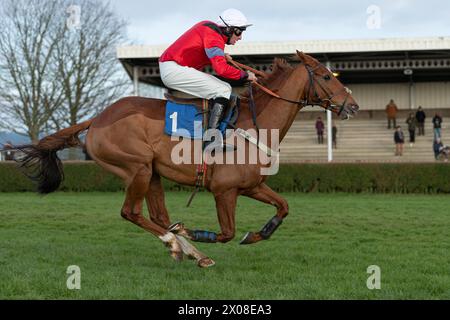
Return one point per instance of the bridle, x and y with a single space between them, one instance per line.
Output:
319 101
312 80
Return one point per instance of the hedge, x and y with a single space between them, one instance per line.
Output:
320 177
363 177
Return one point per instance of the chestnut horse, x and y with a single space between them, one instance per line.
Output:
128 139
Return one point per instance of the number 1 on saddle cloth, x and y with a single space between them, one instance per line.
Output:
186 120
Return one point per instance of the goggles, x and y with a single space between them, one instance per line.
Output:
238 30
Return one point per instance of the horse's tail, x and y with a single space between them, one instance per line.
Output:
41 162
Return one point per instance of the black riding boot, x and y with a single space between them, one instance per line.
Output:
216 114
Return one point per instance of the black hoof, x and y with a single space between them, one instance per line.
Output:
248 238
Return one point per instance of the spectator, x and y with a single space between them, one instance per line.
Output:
411 121
420 117
399 140
437 123
440 150
391 112
319 129
334 134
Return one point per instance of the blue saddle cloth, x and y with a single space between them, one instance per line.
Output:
186 120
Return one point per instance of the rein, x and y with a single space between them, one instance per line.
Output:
301 103
241 66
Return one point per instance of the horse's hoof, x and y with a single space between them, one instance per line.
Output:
205 263
175 227
249 238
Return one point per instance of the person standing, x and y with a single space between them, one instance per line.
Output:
319 129
334 134
399 140
437 124
420 117
391 112
437 145
411 121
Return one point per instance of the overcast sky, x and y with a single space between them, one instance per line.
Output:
162 21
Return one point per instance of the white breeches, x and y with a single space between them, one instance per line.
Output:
192 81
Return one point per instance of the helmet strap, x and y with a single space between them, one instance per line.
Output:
228 34
228 30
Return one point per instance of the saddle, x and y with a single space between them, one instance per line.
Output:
230 115
187 99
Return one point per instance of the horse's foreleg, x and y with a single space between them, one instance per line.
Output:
225 205
265 194
132 211
226 212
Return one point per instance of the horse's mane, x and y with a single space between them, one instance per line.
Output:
281 70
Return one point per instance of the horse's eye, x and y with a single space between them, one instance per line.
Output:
327 77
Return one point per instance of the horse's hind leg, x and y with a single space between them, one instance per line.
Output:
132 211
265 194
156 203
159 215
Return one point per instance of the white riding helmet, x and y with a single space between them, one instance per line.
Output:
233 18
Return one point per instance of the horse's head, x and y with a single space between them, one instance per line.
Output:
325 90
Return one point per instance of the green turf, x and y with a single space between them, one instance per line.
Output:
321 251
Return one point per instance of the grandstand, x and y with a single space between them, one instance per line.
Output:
359 139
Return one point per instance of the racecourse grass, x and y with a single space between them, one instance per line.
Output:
321 251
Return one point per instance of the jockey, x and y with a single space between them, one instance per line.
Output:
181 64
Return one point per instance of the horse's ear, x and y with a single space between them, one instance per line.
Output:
301 55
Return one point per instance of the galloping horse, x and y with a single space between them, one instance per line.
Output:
128 139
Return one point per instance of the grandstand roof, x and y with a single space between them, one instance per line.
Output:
359 60
309 46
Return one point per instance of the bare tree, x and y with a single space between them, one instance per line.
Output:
88 69
28 90
57 62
